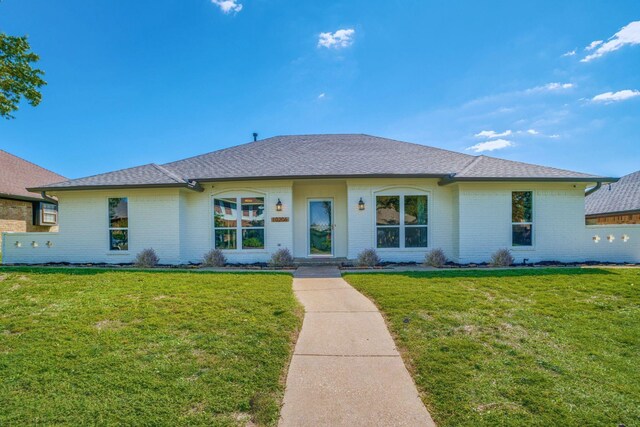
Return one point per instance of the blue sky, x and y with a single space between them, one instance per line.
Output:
134 82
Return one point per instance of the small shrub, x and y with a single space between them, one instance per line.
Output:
368 258
502 258
281 258
147 258
214 258
435 258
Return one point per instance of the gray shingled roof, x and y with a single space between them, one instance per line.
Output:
147 175
343 155
621 196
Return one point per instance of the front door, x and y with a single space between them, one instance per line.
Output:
321 227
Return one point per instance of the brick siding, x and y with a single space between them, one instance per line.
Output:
17 216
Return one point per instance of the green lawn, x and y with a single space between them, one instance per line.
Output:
543 347
81 347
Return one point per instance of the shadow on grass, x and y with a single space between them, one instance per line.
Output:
90 271
525 272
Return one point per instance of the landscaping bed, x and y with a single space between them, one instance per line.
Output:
90 346
518 346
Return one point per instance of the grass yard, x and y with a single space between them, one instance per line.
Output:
523 347
81 347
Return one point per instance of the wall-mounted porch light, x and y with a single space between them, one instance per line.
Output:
279 206
361 204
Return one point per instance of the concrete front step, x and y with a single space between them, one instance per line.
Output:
310 262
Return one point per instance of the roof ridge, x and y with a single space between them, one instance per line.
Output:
471 163
169 173
414 143
219 150
34 164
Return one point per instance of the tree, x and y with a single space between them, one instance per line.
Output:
18 78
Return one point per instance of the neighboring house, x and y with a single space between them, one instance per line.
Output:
20 209
327 196
616 203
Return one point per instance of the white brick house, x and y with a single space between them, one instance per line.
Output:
327 196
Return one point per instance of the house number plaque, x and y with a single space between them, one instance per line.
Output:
279 219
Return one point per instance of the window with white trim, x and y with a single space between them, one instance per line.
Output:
238 228
522 218
402 221
118 224
48 213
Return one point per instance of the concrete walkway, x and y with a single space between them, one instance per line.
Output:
345 370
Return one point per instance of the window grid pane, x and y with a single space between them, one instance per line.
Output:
521 206
253 238
415 237
415 210
252 212
387 210
119 212
388 237
225 212
119 240
522 235
225 238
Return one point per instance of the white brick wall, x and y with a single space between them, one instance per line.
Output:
362 223
198 229
468 221
559 228
83 236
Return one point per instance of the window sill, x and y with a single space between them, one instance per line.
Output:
426 248
244 251
116 253
523 248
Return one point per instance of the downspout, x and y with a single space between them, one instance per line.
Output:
47 198
593 189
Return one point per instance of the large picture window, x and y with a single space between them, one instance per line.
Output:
118 224
402 221
238 228
522 218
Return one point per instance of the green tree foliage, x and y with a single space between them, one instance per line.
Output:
18 78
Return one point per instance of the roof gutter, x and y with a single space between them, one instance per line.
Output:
47 198
606 214
452 179
593 189
190 185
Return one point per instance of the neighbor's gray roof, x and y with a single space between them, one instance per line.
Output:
345 155
16 174
621 196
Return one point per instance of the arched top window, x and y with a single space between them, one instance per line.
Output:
402 219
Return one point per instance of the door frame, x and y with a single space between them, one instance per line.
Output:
308 231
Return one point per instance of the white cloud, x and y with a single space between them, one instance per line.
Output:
494 144
550 87
228 6
557 86
628 35
593 45
322 95
570 53
490 134
621 95
339 39
533 132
